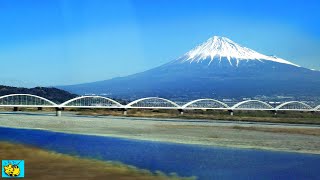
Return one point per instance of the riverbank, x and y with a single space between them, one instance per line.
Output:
40 164
291 117
277 137
245 116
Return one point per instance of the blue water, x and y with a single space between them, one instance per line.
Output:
186 160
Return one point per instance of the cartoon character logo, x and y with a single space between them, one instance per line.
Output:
13 168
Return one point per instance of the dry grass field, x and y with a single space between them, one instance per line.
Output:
250 116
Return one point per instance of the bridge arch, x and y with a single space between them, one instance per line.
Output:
91 101
205 104
252 105
153 102
27 100
317 108
293 105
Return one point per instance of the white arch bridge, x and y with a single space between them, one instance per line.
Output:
33 101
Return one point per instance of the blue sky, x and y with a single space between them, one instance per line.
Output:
74 41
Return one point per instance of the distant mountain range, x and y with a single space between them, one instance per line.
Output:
217 68
53 94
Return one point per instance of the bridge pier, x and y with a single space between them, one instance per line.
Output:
275 112
181 111
59 111
125 112
231 112
15 109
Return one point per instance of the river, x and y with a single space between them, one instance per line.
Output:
204 162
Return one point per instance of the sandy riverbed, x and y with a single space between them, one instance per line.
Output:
291 138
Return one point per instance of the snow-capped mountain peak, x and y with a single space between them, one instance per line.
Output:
217 48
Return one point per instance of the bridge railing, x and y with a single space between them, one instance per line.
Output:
252 105
152 102
91 102
25 100
29 100
205 104
294 105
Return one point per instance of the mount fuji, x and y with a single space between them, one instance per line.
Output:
217 68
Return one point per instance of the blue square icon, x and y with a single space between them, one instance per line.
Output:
12 168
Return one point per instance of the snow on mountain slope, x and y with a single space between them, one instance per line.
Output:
217 68
218 48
